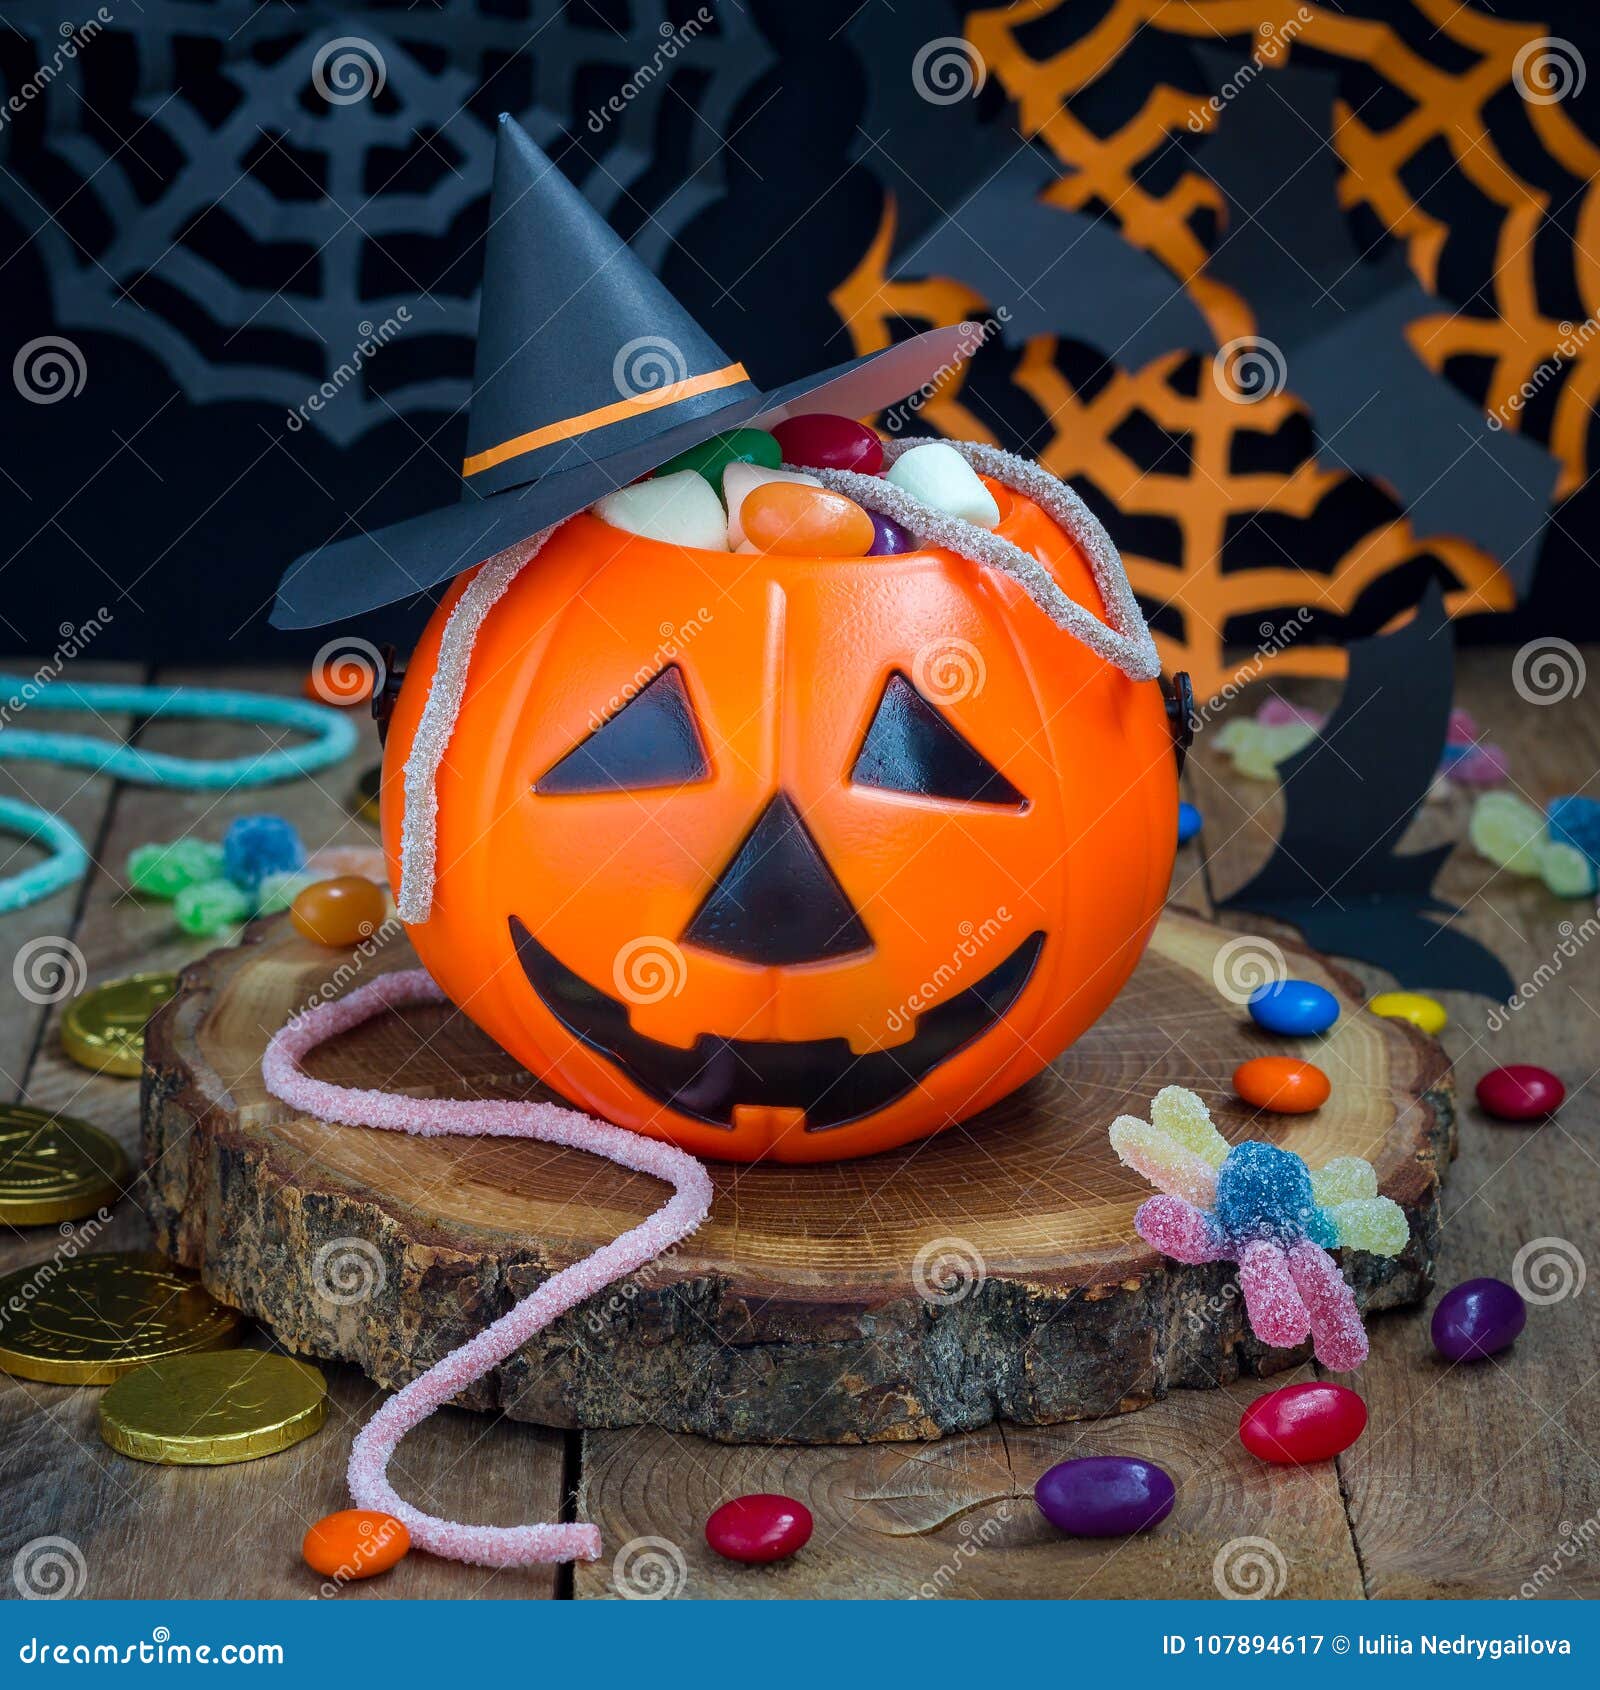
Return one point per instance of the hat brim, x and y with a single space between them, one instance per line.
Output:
364 571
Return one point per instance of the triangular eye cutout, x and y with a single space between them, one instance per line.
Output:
910 747
651 741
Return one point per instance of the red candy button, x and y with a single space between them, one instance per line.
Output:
1283 1084
1302 1423
759 1528
821 441
1520 1092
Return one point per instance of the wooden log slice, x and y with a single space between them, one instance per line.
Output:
991 1272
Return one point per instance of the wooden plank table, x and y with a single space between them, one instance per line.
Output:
1470 1481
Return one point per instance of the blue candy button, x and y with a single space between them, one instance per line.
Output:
1293 1006
1188 823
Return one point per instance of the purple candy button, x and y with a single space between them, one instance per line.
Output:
1476 1319
1104 1496
889 538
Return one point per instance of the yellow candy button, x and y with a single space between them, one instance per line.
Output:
1425 1014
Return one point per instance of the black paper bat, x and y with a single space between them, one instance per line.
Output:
1349 796
1339 321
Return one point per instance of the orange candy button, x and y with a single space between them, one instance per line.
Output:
797 521
356 1543
1283 1084
340 911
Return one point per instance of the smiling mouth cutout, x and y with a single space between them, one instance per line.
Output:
824 1077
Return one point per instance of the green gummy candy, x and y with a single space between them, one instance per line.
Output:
1508 832
738 446
1374 1224
162 871
1567 872
212 906
1342 1179
278 891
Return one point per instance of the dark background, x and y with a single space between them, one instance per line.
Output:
211 234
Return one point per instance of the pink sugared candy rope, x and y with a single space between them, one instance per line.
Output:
286 1079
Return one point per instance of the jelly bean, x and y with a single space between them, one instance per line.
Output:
1293 1007
162 871
939 476
1520 1092
1189 822
1566 870
1476 1319
1507 831
209 907
1283 1084
889 539
355 1543
805 522
739 481
681 510
711 457
759 1528
258 845
1426 1014
821 441
1300 1424
339 911
1105 1495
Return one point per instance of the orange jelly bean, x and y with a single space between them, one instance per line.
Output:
340 911
355 1543
1283 1084
798 521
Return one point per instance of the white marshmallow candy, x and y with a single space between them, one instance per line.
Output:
682 509
740 480
938 475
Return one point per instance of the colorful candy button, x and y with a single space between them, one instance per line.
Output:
1189 822
1477 1319
1427 1015
822 441
1283 1084
355 1543
1303 1423
1293 1007
1105 1495
738 446
796 521
759 1528
341 911
889 539
1520 1092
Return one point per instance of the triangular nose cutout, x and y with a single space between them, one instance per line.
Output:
778 902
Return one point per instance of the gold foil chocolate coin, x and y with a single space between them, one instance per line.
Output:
208 1410
86 1320
53 1168
104 1028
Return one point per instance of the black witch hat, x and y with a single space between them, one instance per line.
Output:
589 374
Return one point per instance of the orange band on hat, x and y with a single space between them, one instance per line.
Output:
651 399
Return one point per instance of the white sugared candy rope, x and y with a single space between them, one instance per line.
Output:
1122 638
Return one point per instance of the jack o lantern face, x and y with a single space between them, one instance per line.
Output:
783 856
